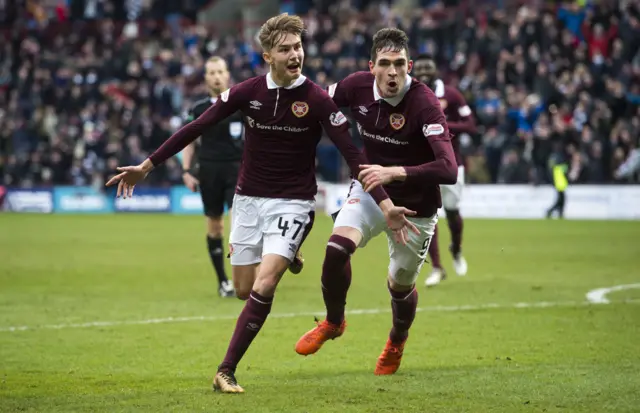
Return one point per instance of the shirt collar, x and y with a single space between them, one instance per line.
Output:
272 85
394 101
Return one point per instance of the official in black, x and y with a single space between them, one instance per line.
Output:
219 154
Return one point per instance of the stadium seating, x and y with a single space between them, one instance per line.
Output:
81 94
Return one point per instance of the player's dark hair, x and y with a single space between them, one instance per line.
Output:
276 28
390 40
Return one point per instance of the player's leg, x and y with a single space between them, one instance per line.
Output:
404 268
336 271
285 222
245 244
557 205
215 244
213 201
244 276
250 321
437 271
358 222
335 283
451 196
561 200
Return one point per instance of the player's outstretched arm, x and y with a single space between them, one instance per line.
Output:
129 176
224 107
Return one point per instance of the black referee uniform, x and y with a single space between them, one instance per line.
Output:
219 156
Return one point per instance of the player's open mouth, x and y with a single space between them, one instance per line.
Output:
294 67
393 84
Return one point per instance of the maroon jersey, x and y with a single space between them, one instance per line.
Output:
409 130
458 114
283 128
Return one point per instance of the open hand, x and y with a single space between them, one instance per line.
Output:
127 179
397 222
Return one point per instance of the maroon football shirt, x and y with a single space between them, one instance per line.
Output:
458 114
283 128
409 130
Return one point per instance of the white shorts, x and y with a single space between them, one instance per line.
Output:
361 212
262 226
452 194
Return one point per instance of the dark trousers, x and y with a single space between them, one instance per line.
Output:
558 206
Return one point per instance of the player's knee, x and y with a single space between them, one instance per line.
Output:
269 274
348 232
243 278
266 283
215 227
451 213
402 279
242 293
339 250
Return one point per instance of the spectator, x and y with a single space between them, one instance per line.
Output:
103 83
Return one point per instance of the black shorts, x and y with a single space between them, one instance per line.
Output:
217 185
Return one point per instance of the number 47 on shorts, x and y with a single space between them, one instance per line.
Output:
283 225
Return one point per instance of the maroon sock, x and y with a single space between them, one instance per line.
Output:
403 306
249 322
336 276
455 225
434 250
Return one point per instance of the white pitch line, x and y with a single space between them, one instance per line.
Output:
453 308
599 295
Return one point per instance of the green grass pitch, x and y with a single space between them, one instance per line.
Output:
86 308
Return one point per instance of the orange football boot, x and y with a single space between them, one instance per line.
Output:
389 360
312 340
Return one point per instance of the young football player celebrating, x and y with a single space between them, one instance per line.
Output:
407 142
285 114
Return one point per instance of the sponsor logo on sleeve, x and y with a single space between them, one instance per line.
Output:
337 119
433 129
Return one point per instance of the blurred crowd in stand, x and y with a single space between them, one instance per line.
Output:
92 84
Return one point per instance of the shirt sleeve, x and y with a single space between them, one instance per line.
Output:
337 127
443 170
340 92
467 123
229 102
